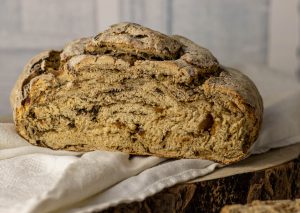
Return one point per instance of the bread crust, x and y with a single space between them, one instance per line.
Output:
17 94
174 61
269 206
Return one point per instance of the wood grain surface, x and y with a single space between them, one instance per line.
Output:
276 183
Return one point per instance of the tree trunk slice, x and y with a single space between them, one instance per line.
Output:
275 183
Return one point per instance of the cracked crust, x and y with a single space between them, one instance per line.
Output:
271 206
136 90
20 91
136 40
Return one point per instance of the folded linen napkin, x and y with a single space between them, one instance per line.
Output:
36 179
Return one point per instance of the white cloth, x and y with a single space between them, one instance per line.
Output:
35 179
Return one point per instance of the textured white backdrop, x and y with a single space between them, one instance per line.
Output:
260 32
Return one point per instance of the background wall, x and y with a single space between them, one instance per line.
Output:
238 32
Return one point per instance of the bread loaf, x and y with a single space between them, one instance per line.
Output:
135 90
280 206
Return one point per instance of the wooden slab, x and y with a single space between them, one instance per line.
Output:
275 183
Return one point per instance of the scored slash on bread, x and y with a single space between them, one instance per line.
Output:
135 90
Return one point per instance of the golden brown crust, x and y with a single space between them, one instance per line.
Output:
271 206
196 55
241 91
125 37
73 48
191 105
17 94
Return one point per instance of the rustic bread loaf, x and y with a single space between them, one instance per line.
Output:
280 206
135 90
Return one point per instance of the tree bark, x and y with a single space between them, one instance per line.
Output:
276 183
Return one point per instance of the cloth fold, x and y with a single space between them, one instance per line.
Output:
36 179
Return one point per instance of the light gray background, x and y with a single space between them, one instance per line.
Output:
236 31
